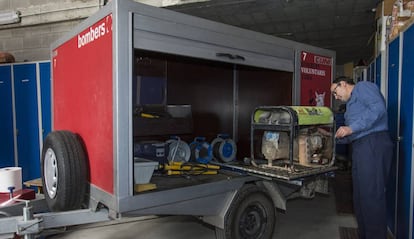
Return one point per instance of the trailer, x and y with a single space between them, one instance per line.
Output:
160 113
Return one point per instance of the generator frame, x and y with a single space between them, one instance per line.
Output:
295 170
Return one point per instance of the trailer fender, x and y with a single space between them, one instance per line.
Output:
274 192
251 215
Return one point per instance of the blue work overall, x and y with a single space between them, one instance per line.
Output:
371 162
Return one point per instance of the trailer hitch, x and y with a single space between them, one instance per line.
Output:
29 226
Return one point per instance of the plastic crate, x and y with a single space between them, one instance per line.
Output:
143 170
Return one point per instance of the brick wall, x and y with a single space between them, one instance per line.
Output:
42 22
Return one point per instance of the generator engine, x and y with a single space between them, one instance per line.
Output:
312 147
299 134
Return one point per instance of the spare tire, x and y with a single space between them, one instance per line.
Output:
64 171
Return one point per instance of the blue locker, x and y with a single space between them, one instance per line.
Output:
378 71
372 73
404 209
27 120
44 71
392 105
369 72
6 118
340 149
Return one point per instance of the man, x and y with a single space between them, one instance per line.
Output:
366 127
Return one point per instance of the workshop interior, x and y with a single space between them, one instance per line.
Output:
212 109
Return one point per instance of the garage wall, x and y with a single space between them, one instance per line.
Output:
33 43
42 22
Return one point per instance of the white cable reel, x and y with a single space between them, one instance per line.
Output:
178 150
224 148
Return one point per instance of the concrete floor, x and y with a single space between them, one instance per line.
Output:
304 219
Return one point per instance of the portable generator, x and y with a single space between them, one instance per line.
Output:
291 136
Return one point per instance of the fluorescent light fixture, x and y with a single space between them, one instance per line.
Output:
9 16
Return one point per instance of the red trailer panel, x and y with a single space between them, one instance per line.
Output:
82 96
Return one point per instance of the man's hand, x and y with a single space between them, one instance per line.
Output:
343 131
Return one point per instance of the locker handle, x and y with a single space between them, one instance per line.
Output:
230 56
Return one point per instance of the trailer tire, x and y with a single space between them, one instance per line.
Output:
64 171
251 215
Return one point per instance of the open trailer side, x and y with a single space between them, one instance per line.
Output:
118 73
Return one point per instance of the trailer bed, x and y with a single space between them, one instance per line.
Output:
281 171
231 170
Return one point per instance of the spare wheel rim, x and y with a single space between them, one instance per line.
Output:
51 173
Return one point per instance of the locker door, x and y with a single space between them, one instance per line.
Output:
27 120
393 113
406 130
369 72
372 73
6 118
410 230
44 70
411 233
378 71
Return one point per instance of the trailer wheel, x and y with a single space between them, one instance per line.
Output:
64 171
251 215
